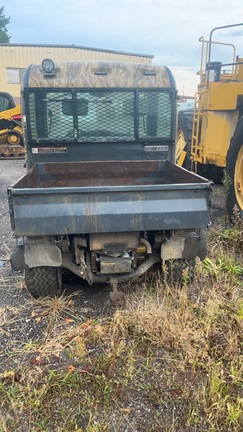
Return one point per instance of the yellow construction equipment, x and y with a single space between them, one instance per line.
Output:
11 133
210 137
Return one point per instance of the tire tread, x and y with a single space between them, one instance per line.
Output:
43 281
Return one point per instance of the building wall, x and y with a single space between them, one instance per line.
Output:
15 58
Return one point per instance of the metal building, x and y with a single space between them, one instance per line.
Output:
14 58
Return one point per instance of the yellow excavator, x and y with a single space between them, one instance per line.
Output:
210 136
11 133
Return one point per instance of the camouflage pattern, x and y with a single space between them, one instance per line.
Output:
83 74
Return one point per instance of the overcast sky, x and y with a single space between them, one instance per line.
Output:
167 29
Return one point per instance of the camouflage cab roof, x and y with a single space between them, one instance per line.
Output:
100 74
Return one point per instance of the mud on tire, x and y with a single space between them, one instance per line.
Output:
43 281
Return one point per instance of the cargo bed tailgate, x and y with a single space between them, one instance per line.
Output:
94 197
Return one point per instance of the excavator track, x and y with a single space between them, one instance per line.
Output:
11 145
9 152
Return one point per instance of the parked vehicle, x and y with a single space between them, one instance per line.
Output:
102 196
11 134
210 137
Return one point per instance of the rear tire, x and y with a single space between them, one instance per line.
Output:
43 281
180 271
234 168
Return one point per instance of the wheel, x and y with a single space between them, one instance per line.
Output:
43 281
14 138
180 271
185 122
234 169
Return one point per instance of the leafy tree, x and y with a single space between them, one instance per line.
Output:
4 21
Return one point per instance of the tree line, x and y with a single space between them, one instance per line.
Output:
4 21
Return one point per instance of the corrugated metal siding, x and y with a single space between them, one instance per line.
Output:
20 56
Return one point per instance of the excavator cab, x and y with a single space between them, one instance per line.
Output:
7 101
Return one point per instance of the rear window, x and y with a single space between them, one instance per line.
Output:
99 115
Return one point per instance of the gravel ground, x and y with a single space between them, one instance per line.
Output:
10 171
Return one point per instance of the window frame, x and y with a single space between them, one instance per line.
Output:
75 91
19 75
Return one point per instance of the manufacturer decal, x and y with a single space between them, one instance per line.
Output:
159 148
48 150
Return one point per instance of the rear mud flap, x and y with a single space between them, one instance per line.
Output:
186 247
35 255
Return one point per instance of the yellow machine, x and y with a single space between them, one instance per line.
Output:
11 134
210 138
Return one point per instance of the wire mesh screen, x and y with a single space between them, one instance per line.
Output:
154 114
100 115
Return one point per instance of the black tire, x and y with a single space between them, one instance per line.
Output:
211 172
180 271
185 122
43 281
234 169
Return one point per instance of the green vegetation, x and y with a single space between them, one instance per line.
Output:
172 360
4 21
